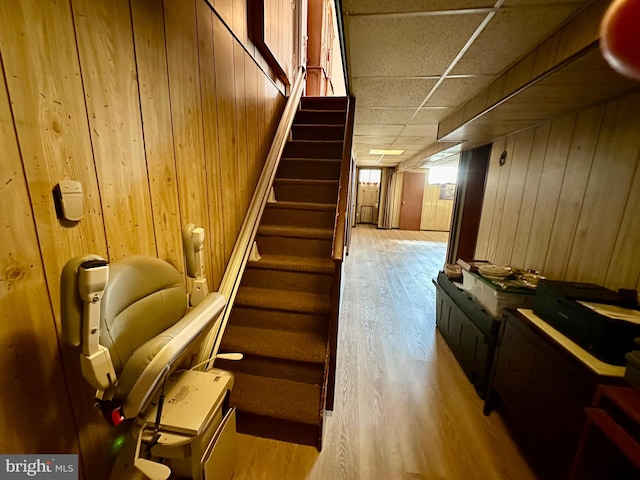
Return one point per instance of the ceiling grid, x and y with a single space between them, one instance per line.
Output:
413 62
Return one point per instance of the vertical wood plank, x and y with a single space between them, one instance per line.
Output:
105 47
186 114
519 159
240 20
549 192
261 121
573 188
609 184
501 191
224 8
624 268
215 237
153 79
29 352
489 201
227 135
242 159
256 160
427 212
532 183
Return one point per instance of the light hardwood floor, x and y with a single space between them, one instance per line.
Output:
404 409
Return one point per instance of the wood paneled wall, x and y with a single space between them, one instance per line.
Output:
165 115
279 31
436 213
566 202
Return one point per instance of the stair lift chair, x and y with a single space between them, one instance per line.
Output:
130 321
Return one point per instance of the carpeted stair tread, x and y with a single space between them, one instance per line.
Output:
294 232
286 300
305 181
277 398
322 117
278 319
286 345
312 142
312 159
317 132
304 372
328 207
295 264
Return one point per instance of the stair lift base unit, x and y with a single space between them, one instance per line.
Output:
197 430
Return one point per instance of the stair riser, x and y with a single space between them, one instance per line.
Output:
309 169
282 430
303 149
306 193
298 218
317 132
323 103
278 320
285 280
319 118
304 247
272 367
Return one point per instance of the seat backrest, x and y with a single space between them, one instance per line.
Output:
144 297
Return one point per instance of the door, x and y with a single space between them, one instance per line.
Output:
468 203
368 201
411 203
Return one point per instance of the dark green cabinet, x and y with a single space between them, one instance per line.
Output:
542 390
468 330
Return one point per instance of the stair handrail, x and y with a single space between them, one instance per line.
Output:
341 221
242 249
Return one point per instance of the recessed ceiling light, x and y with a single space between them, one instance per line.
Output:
374 151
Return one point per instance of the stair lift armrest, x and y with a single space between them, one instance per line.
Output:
189 330
95 359
97 369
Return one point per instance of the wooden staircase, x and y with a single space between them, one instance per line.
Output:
281 316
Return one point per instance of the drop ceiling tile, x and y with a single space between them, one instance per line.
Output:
383 116
391 92
428 131
430 115
509 35
404 156
415 147
408 139
383 130
364 152
453 92
385 6
407 46
367 161
374 140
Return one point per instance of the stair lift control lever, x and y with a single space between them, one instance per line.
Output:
193 244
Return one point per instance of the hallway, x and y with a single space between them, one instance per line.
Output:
404 410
